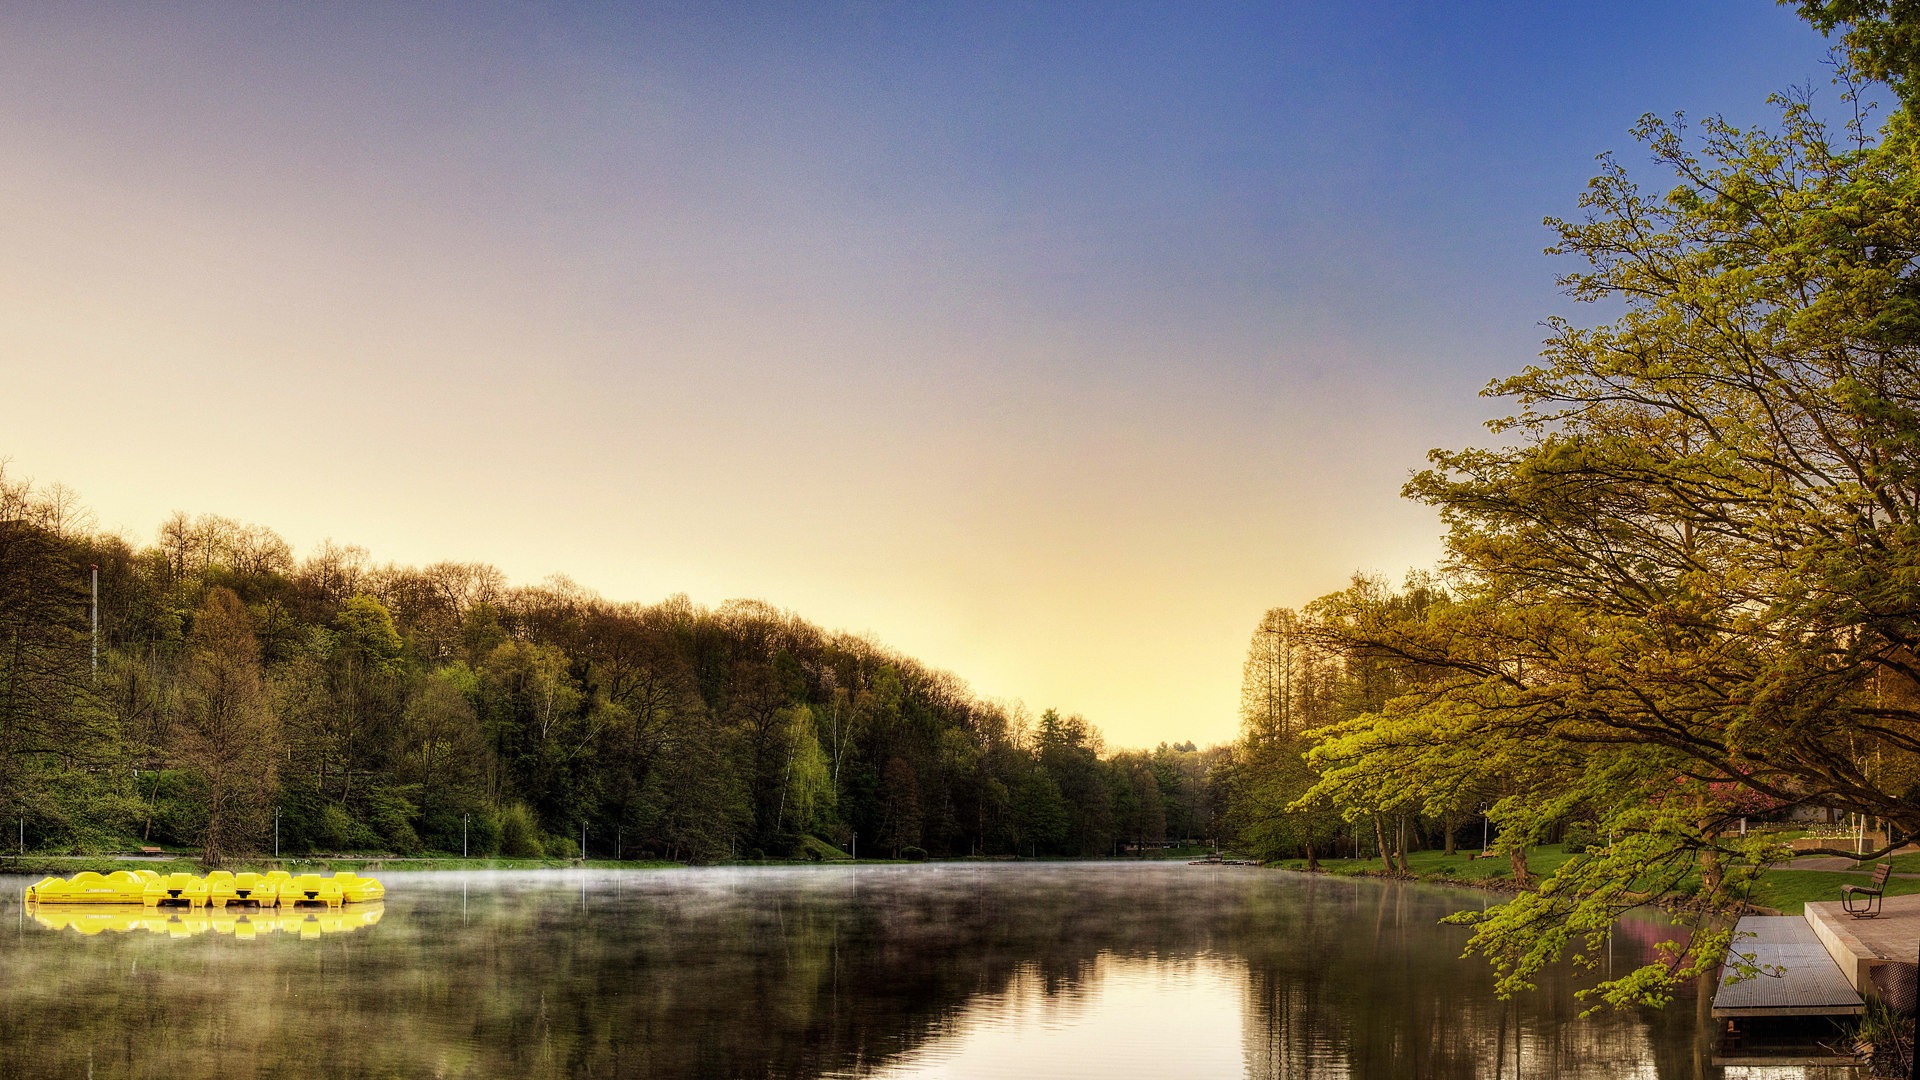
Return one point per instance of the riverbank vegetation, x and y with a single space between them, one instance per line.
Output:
1682 583
243 701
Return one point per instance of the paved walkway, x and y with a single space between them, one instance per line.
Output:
1876 956
1838 864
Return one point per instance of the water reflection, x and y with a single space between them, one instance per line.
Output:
1161 1017
243 924
1108 970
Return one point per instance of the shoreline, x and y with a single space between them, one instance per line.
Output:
69 865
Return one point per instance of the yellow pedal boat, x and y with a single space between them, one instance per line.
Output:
187 889
306 889
225 889
359 890
87 887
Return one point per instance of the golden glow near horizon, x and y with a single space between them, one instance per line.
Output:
1051 355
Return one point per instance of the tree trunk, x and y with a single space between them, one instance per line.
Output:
1380 838
1400 844
1447 825
1313 858
1710 870
1518 858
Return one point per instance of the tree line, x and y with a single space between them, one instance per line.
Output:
240 697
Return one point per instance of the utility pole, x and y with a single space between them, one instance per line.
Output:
96 622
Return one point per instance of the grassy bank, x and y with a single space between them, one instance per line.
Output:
1460 869
67 866
1781 889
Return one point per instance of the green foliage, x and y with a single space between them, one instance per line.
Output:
519 833
338 830
817 850
485 834
1882 37
1579 836
1041 821
391 816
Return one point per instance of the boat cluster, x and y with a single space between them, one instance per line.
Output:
218 889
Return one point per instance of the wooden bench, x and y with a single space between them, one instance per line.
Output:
1863 901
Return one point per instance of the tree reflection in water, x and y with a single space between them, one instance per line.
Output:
823 972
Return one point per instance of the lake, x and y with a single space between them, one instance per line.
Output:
1108 970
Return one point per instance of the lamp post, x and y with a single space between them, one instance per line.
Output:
463 834
276 832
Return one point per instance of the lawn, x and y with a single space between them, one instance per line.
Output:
1789 891
1437 866
1785 890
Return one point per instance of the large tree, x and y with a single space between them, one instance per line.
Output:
1691 568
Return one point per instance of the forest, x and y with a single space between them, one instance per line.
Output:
234 697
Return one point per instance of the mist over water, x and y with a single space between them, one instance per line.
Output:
1111 970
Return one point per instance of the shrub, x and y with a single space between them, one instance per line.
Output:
335 828
483 834
1579 836
913 854
519 834
392 816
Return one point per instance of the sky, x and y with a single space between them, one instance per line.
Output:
1050 344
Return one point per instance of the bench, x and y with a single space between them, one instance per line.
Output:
1863 901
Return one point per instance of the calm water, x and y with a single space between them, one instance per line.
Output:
1113 971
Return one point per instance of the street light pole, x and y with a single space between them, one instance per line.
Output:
96 622
463 834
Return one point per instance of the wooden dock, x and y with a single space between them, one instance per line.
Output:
1798 974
